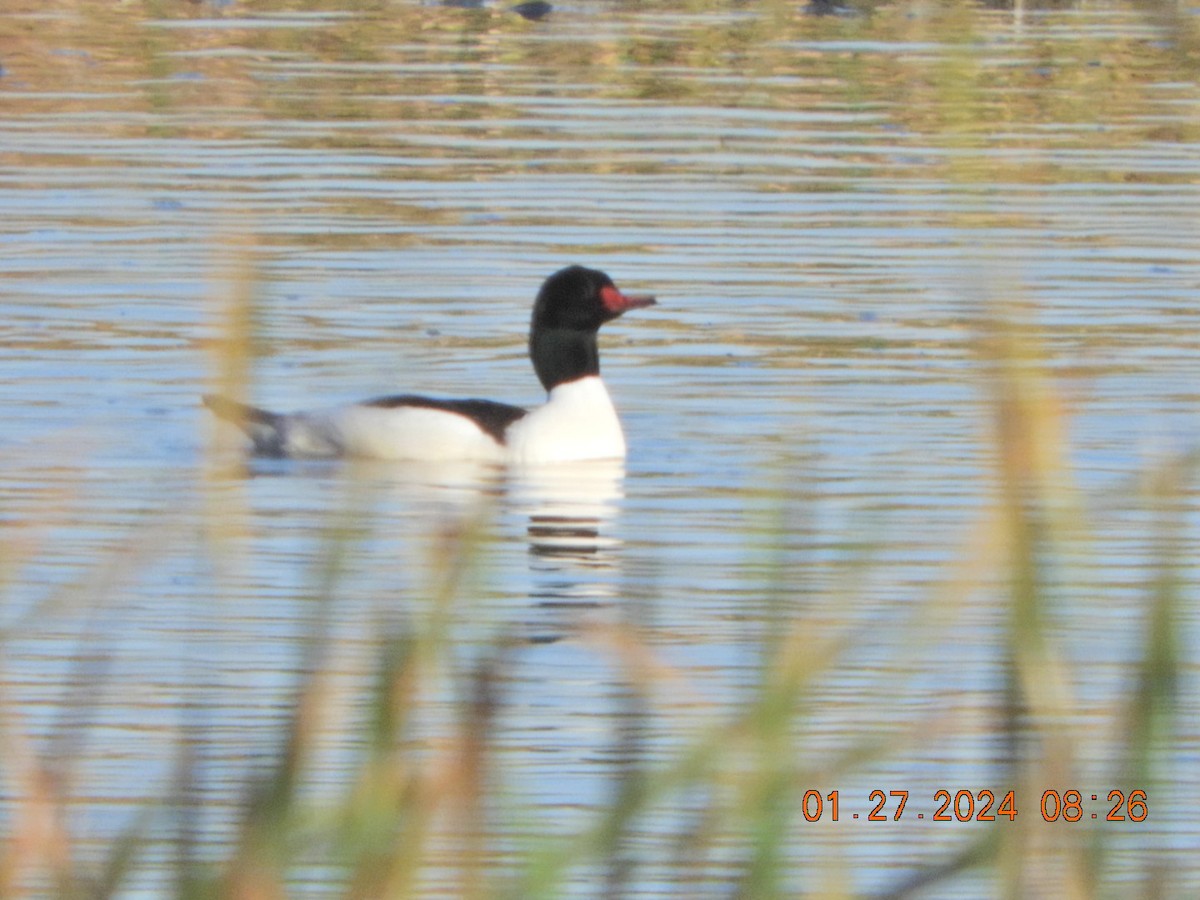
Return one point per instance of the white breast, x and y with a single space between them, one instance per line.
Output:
577 422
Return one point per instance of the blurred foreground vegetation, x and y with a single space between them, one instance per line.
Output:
423 815
419 817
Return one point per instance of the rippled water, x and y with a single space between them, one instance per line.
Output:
830 209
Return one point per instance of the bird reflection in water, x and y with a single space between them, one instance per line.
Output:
571 510
568 507
569 513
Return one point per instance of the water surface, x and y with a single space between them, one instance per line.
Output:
833 212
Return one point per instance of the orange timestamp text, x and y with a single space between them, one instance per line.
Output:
979 806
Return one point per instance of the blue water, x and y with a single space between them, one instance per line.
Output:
809 409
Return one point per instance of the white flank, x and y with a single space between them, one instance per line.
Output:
402 432
577 422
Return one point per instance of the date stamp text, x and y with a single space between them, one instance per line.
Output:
977 806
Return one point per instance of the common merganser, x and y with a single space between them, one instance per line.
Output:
577 422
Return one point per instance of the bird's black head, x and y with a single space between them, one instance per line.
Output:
571 306
581 299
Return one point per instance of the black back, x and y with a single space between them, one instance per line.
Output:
492 417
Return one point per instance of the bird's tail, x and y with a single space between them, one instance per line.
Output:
265 428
